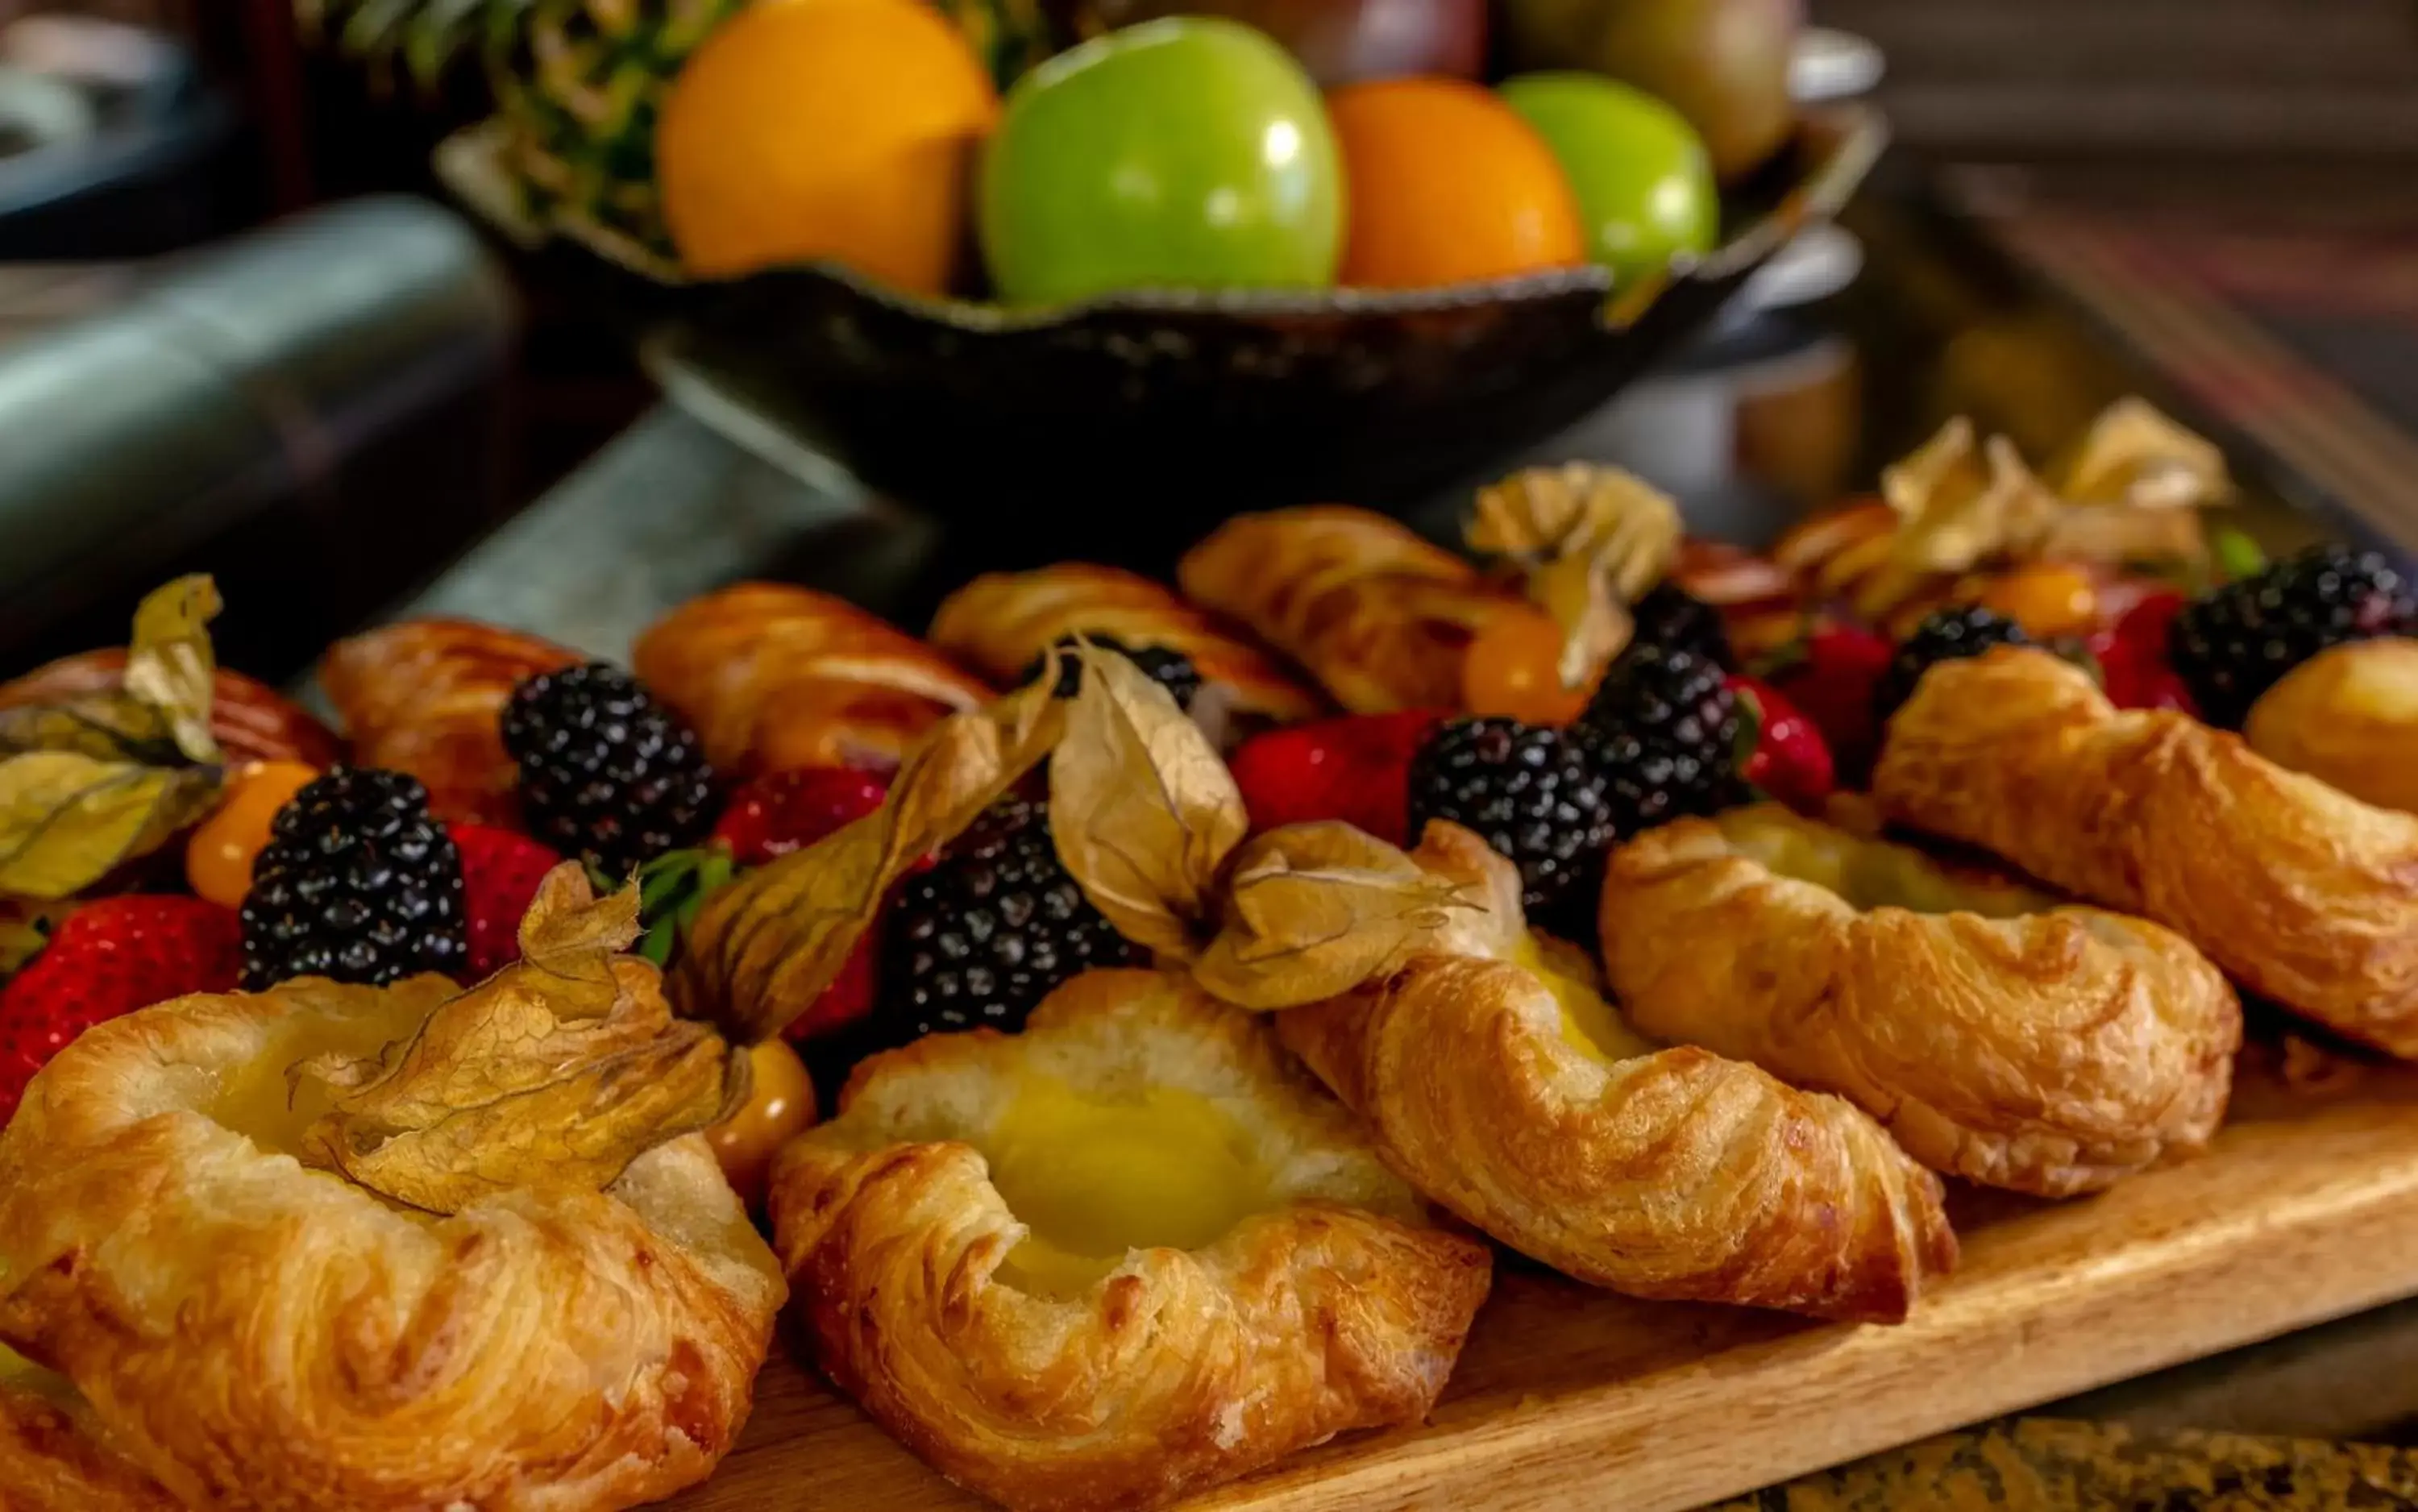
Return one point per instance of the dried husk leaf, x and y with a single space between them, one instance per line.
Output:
107 726
171 666
554 1074
1589 540
67 819
1143 813
1964 504
25 928
2137 457
765 947
1313 911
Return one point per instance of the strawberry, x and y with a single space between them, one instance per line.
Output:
2134 666
1356 769
786 811
1790 760
500 870
109 957
1829 676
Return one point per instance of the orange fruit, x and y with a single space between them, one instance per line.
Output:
2047 599
805 130
780 1107
1448 184
1513 669
219 853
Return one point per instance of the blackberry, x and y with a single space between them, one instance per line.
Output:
2232 646
1675 619
1666 724
981 936
1949 635
358 883
1531 791
606 772
1170 668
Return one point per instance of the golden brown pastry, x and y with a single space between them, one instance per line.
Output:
1000 622
1123 1256
251 720
260 1334
1999 1037
1380 617
2348 717
775 676
49 1461
426 696
2306 895
1499 1083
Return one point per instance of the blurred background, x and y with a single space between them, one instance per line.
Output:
348 401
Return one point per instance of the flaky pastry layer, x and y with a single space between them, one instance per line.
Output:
1336 1307
998 623
775 677
261 1337
1674 1174
1380 617
2051 1052
2303 894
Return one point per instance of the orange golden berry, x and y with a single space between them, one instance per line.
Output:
780 1107
219 856
2047 599
1512 669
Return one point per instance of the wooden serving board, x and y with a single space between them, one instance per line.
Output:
2307 1209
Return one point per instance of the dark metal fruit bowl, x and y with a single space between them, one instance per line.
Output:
1187 406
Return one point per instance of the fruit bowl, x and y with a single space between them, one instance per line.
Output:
1202 404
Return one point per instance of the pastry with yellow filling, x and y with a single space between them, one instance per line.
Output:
2348 717
386 1248
1497 1080
1125 1255
1999 1037
2301 892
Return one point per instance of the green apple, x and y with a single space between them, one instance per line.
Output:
1643 183
1185 153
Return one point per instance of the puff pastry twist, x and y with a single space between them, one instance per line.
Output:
1378 615
427 696
1000 622
2053 1051
1670 1174
775 677
2305 894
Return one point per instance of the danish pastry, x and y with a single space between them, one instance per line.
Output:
426 696
2348 717
1123 1256
1999 1037
998 623
49 1461
2306 895
1498 1082
251 720
775 676
1378 615
256 1330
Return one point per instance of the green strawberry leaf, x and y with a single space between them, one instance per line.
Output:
25 930
2238 553
67 819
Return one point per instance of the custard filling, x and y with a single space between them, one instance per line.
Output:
266 1102
1871 874
1092 1177
1590 1025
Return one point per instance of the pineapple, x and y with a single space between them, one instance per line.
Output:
578 84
